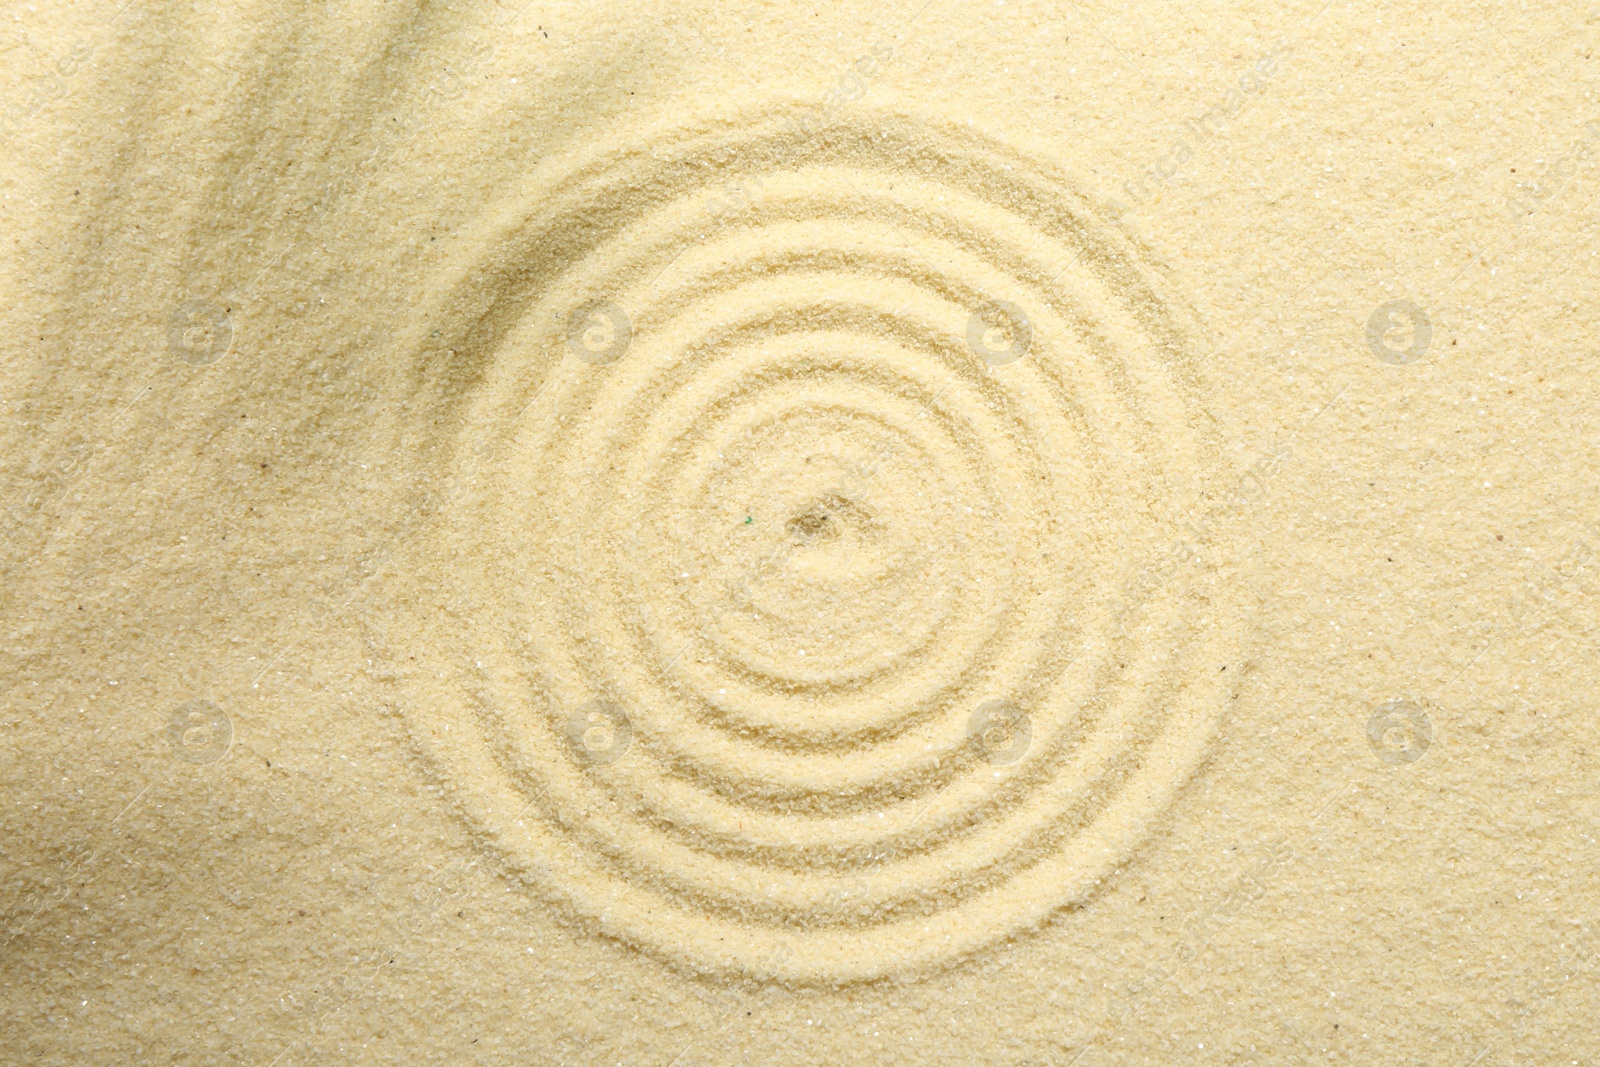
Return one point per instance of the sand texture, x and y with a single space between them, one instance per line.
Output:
998 534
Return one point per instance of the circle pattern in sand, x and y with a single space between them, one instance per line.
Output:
750 513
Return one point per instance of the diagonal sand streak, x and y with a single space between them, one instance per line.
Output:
800 799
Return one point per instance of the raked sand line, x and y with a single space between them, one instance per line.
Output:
775 619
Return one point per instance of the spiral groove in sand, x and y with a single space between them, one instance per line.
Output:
782 626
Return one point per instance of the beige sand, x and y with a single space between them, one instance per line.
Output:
1004 534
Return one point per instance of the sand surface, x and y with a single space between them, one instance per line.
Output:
1001 534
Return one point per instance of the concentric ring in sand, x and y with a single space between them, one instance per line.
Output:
794 527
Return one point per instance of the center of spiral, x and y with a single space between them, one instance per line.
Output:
831 518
